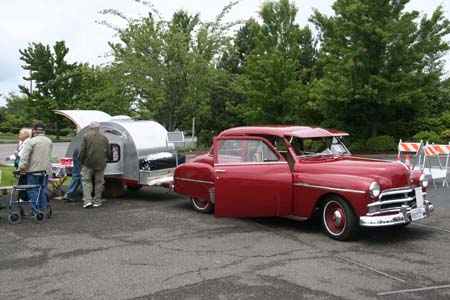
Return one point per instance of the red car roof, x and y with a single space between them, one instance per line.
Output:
284 130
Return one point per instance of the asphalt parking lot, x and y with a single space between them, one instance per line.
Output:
151 245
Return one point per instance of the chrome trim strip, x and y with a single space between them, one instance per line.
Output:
252 163
212 195
329 188
194 180
400 200
395 191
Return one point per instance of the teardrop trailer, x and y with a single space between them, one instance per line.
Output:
143 151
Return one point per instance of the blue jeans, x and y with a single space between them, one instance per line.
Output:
75 182
38 201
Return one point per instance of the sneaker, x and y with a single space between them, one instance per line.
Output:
87 204
97 204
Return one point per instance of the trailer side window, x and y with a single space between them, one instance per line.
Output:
115 153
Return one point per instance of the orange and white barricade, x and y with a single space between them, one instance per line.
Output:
435 162
410 149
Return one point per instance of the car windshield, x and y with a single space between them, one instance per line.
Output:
318 146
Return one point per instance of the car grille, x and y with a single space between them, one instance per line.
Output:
391 201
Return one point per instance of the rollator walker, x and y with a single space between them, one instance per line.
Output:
16 209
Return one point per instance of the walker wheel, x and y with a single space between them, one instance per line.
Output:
48 211
39 217
14 218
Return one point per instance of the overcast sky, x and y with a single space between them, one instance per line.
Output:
74 21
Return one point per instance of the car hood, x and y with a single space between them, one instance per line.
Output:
388 174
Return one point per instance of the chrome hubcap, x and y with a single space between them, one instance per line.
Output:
337 218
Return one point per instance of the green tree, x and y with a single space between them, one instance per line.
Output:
220 113
101 88
168 66
276 73
380 66
14 115
53 83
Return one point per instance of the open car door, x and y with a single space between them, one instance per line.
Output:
252 178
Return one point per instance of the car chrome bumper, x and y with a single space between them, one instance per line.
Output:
402 217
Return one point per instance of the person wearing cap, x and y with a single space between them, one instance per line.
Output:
93 154
36 156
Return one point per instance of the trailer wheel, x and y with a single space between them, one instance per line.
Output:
134 187
202 205
14 218
338 219
39 217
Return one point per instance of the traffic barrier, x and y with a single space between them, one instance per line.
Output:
411 148
408 161
433 165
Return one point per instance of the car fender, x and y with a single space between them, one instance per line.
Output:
194 180
309 189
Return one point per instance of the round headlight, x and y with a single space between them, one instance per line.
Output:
424 180
374 189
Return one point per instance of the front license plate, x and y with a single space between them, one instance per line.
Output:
416 214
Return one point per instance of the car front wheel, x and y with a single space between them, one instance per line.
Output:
202 205
338 219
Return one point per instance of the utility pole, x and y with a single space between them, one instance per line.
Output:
193 132
31 82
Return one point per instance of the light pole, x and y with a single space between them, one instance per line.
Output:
31 82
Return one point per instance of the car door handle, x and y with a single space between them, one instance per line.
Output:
221 171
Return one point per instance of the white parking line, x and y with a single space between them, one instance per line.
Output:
428 226
348 260
415 290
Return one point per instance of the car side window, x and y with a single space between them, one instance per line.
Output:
230 151
244 151
267 153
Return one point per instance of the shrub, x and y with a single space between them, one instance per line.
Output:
205 137
445 136
66 131
357 146
427 136
381 143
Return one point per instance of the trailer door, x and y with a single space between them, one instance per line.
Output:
115 165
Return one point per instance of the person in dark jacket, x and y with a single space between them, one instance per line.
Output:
93 154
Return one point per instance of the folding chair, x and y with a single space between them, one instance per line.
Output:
56 182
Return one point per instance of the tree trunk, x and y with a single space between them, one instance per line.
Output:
374 129
57 130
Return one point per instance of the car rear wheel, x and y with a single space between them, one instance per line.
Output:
202 205
338 219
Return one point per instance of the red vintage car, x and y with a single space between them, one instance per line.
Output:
303 172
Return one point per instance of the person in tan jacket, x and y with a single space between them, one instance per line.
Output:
36 156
